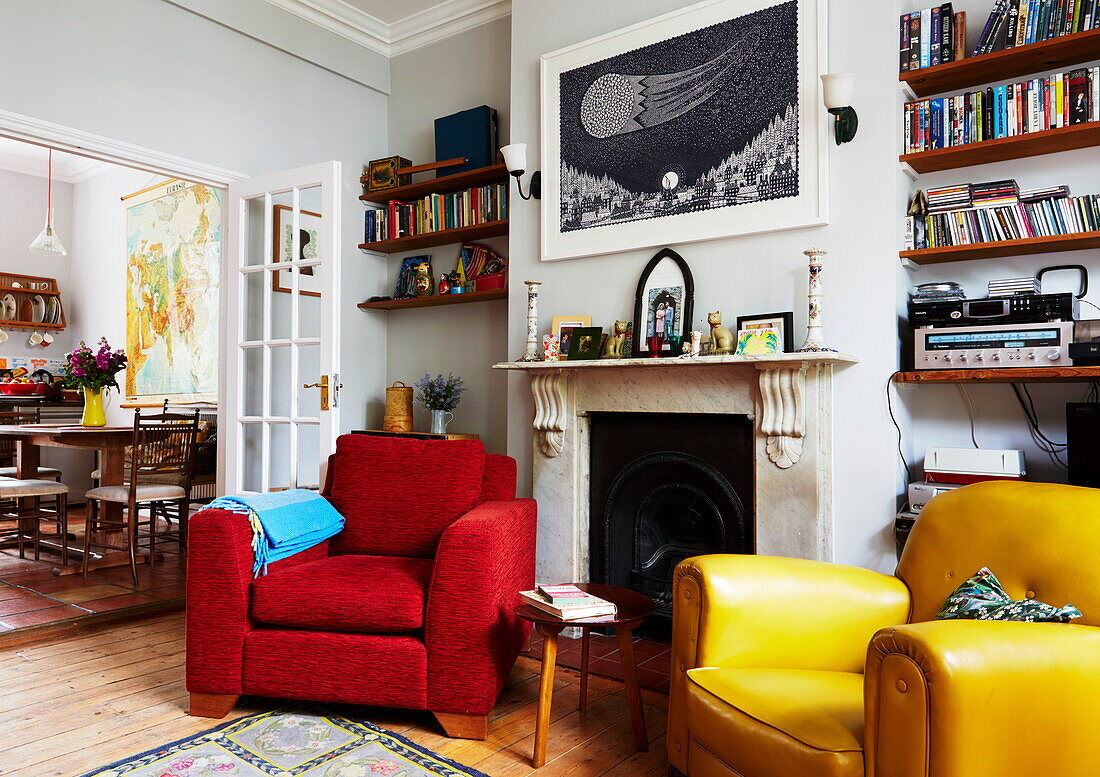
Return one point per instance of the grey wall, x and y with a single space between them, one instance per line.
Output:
460 72
153 74
754 274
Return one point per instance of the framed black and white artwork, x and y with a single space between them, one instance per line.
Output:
702 123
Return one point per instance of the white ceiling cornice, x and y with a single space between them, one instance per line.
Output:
421 29
344 19
444 20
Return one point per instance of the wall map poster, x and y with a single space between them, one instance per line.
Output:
700 124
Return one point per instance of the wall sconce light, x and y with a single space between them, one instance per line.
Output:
837 90
515 159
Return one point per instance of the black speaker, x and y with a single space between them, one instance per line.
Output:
1083 439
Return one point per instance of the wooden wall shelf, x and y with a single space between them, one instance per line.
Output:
1003 149
444 184
1003 375
436 300
440 238
1032 245
1003 65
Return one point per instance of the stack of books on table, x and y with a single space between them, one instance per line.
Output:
567 602
963 214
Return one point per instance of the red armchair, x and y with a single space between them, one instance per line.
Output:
409 606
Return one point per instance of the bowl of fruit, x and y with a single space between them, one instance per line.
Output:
19 387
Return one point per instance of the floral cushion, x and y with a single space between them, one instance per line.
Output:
983 598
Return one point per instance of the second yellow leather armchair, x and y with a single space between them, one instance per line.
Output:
791 668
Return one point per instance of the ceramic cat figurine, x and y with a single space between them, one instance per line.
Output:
613 348
721 339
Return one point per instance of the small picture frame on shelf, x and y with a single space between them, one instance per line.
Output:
562 326
663 304
757 342
585 343
782 322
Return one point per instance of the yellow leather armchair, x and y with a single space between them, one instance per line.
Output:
790 668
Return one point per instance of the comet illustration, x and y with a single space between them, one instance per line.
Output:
616 104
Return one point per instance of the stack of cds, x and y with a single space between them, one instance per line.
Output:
936 292
1044 193
954 197
1009 287
995 194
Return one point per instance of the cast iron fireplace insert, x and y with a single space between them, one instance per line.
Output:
665 487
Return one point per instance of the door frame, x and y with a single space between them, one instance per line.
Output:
74 141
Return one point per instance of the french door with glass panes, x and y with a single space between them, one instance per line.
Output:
282 376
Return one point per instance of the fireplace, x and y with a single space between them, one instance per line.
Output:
664 487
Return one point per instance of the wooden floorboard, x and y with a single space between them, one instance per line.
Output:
72 705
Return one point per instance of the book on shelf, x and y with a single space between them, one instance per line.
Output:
568 606
436 212
966 214
931 37
1008 110
1013 23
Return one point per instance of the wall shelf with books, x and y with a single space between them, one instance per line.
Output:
439 238
1033 245
1050 141
435 300
1005 64
444 184
1003 375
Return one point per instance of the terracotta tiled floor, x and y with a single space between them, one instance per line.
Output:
654 658
32 595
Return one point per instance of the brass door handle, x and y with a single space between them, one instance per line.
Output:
323 384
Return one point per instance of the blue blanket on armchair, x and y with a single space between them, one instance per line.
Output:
283 522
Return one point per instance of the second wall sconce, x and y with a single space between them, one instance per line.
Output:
837 90
515 159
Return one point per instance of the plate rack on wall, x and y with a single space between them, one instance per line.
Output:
22 290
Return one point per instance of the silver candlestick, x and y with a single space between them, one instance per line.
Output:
532 354
815 338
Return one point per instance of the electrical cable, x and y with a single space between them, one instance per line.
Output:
897 426
970 412
1051 448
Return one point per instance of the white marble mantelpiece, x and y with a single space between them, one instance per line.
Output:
787 395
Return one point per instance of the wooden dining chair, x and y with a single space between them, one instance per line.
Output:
7 445
162 459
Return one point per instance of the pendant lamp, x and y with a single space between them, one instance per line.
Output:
48 243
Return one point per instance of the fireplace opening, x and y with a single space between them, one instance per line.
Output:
665 487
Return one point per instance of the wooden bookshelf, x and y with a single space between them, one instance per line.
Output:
1003 375
436 300
1003 149
1052 54
1077 241
444 184
440 238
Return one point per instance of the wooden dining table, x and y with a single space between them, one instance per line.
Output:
110 441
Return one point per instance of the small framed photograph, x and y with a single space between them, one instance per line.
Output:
562 326
663 304
757 342
308 224
584 342
782 322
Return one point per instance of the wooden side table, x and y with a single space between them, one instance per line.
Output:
633 608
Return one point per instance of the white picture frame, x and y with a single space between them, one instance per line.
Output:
627 220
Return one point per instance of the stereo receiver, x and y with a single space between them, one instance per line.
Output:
991 346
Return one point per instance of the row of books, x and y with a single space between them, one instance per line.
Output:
1058 100
435 212
965 214
931 37
1020 22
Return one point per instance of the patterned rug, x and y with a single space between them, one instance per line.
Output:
287 744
